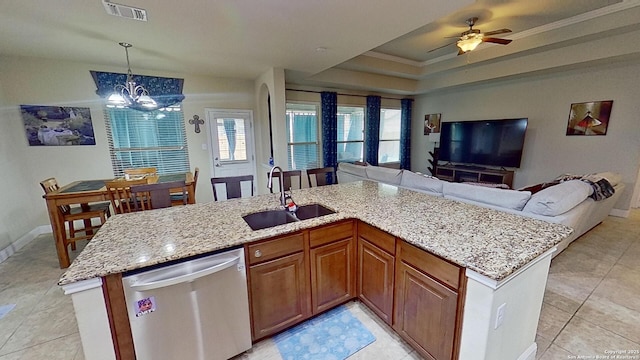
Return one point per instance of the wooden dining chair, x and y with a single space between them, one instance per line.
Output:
156 196
233 185
120 194
86 212
287 179
141 172
176 198
322 176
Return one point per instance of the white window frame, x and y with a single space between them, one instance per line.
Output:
339 142
381 139
290 105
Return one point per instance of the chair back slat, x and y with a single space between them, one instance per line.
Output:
233 185
50 185
120 194
323 176
286 178
156 196
196 172
147 171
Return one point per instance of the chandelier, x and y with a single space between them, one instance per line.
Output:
469 42
130 93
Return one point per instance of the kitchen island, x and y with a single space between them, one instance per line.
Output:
506 256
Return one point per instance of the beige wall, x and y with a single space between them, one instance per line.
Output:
546 100
18 210
46 82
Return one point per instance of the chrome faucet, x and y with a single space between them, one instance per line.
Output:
283 195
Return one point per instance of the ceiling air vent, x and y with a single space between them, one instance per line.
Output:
124 11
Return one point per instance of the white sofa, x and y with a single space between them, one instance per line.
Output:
567 203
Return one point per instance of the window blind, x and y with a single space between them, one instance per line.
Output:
302 136
147 139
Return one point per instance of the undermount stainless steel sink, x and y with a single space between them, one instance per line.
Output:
312 211
270 218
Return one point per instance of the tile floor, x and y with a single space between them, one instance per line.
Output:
591 305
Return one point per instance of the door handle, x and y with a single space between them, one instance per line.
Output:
166 279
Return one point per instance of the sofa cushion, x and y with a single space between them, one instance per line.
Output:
558 199
428 183
510 199
383 174
357 170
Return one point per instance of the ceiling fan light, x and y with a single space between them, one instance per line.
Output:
469 42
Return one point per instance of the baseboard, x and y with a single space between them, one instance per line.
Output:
620 213
530 353
22 241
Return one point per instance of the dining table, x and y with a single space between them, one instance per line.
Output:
83 192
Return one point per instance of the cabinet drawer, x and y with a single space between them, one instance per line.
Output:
444 271
327 234
271 249
377 237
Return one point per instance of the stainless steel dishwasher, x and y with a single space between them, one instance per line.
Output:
196 309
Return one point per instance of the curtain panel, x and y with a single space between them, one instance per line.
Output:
329 128
405 134
372 130
164 91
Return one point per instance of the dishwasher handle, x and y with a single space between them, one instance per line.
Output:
160 281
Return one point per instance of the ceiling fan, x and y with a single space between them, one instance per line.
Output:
471 38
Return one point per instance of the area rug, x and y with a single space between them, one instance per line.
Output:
334 335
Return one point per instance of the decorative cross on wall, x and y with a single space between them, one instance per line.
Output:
197 122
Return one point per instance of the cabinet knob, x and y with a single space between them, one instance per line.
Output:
258 253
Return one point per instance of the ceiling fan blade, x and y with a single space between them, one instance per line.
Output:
496 40
440 47
496 32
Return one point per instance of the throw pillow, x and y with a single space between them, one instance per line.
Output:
558 199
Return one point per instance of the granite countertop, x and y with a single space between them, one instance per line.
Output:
490 242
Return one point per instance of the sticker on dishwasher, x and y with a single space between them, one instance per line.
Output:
145 306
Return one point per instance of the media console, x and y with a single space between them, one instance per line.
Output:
464 173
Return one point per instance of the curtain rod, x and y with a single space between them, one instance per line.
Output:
318 92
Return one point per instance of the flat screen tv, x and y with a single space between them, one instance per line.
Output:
483 142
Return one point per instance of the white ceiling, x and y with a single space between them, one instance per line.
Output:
330 43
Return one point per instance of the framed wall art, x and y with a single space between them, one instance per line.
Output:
57 125
589 118
431 123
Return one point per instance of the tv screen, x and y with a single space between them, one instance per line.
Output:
483 142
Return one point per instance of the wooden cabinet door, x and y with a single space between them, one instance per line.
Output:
332 274
280 294
425 313
375 279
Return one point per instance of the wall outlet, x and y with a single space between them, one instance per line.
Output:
204 146
500 315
